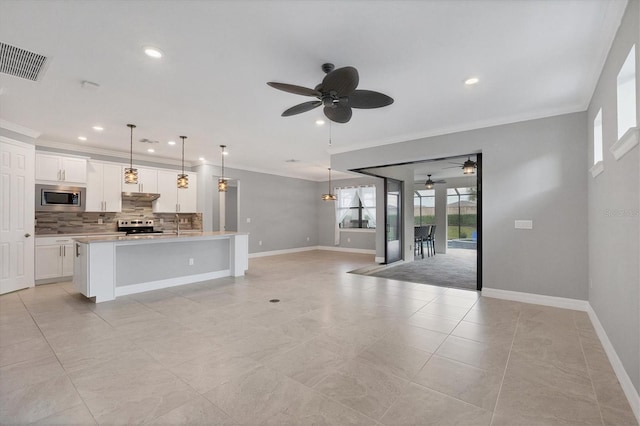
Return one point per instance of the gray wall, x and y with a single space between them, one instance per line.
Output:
614 202
532 170
282 210
327 218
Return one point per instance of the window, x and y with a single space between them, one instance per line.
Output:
627 94
597 138
356 207
424 202
462 214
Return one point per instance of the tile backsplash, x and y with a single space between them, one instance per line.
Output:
82 223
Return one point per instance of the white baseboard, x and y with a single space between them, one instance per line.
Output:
170 282
310 248
379 259
346 249
537 299
285 251
579 305
625 381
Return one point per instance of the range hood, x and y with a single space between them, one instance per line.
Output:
140 196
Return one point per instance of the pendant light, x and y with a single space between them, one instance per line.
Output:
222 182
131 174
183 180
469 166
329 196
429 183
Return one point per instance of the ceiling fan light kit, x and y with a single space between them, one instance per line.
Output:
469 167
337 94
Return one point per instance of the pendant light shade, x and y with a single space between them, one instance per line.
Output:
469 167
222 182
329 196
131 174
429 183
183 179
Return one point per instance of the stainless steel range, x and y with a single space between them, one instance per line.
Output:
137 226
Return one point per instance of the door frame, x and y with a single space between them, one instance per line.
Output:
479 217
400 219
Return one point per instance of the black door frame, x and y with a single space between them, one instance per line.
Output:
400 219
365 171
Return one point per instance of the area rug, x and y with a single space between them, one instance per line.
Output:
457 268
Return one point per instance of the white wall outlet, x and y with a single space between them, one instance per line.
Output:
524 224
161 221
248 220
191 261
348 239
260 242
100 221
308 238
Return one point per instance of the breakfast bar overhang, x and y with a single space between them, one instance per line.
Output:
112 266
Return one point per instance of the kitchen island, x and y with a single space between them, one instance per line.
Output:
106 267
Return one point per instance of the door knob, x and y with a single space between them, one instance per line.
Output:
27 235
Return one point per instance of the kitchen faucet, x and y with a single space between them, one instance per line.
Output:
177 224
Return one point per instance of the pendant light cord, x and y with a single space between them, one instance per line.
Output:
183 138
329 132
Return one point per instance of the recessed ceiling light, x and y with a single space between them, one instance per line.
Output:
151 150
171 142
82 138
201 158
319 122
98 128
153 52
471 81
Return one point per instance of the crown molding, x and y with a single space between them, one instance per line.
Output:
110 153
478 125
19 129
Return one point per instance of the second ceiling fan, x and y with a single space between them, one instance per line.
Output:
337 93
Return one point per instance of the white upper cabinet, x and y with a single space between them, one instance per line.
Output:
168 190
147 181
61 169
104 192
172 199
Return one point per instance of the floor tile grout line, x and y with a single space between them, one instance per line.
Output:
504 374
66 374
584 355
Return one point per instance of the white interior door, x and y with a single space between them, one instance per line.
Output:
17 186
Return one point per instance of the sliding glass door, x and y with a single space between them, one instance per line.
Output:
393 220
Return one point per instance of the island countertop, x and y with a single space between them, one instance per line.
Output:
106 267
157 237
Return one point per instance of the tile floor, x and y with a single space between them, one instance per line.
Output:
338 349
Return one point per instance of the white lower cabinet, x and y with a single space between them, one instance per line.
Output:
54 258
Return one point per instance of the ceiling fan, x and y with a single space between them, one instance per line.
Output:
430 183
337 93
468 167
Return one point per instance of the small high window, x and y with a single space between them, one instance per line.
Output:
627 94
597 138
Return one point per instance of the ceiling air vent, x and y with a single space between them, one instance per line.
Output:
21 63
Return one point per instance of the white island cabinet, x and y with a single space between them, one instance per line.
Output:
108 267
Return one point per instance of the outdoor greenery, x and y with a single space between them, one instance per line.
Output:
426 220
465 232
463 219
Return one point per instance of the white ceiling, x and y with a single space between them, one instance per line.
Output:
534 58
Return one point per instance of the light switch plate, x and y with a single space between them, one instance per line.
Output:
524 224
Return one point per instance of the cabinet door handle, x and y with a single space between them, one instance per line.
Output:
142 187
64 175
59 174
60 251
77 250
64 251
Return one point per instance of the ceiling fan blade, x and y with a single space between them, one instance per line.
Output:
304 107
343 81
338 113
367 99
453 167
292 88
439 181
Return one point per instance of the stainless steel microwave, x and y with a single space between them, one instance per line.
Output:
60 198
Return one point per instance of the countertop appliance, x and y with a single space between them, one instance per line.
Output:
60 198
137 226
